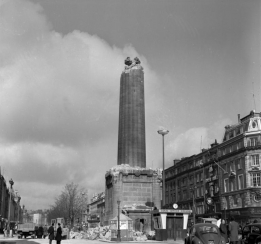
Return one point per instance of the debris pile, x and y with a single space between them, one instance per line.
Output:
92 234
105 234
139 236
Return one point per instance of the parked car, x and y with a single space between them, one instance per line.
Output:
251 233
204 233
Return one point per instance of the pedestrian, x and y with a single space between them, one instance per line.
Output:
58 237
51 233
5 231
219 221
223 230
45 231
233 230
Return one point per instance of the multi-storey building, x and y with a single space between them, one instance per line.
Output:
97 209
239 156
10 209
193 183
226 178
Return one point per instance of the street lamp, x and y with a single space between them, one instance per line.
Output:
11 190
163 133
119 231
17 199
9 215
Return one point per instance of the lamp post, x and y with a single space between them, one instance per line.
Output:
163 133
11 190
9 214
119 231
17 199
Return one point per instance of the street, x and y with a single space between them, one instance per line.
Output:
15 240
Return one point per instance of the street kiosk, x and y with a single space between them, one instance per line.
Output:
126 228
170 223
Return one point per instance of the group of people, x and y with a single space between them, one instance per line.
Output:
230 231
58 236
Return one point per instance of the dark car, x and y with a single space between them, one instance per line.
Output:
204 233
251 234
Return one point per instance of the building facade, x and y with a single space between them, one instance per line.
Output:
224 179
10 208
96 210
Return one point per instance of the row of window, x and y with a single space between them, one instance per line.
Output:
251 141
238 163
234 133
232 148
232 185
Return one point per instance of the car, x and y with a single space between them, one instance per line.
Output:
204 233
251 233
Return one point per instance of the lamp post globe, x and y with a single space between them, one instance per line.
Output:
163 132
119 231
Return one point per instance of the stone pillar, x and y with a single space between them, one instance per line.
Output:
131 135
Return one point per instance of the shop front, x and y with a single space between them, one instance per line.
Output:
243 215
170 223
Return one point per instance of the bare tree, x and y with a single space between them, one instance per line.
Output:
69 204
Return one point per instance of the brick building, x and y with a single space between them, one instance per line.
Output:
226 178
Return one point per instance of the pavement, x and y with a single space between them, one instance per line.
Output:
28 240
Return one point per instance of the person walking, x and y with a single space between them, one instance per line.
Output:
58 237
223 230
45 231
219 220
51 233
233 230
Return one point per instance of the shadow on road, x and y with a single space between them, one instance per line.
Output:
26 241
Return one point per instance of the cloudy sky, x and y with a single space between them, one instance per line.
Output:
60 67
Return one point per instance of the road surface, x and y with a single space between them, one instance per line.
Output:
28 240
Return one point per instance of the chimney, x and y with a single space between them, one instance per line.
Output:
175 161
238 118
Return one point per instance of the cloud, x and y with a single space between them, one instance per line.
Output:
59 107
194 139
58 103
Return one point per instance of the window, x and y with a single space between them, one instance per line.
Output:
255 179
216 188
191 179
232 185
184 195
197 177
254 160
226 185
232 166
198 192
240 182
225 167
211 189
239 163
253 141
